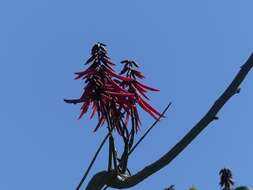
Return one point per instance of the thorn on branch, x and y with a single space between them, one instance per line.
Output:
215 118
238 90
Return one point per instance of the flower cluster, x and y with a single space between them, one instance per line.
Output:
112 96
226 180
139 90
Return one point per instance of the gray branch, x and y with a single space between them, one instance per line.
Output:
103 178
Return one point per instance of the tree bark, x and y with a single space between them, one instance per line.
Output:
103 178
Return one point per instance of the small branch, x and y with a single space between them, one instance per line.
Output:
92 162
103 178
149 129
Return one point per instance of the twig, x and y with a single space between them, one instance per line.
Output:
149 129
92 162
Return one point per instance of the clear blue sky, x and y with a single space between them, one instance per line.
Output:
190 50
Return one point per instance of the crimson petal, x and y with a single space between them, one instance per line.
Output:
147 87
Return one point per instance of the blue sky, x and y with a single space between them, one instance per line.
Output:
190 50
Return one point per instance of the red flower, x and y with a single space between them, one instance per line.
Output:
113 97
101 92
139 90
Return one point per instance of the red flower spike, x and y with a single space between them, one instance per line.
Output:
139 90
106 96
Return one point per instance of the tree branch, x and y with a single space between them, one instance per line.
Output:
105 178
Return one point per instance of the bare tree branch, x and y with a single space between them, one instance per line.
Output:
104 178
